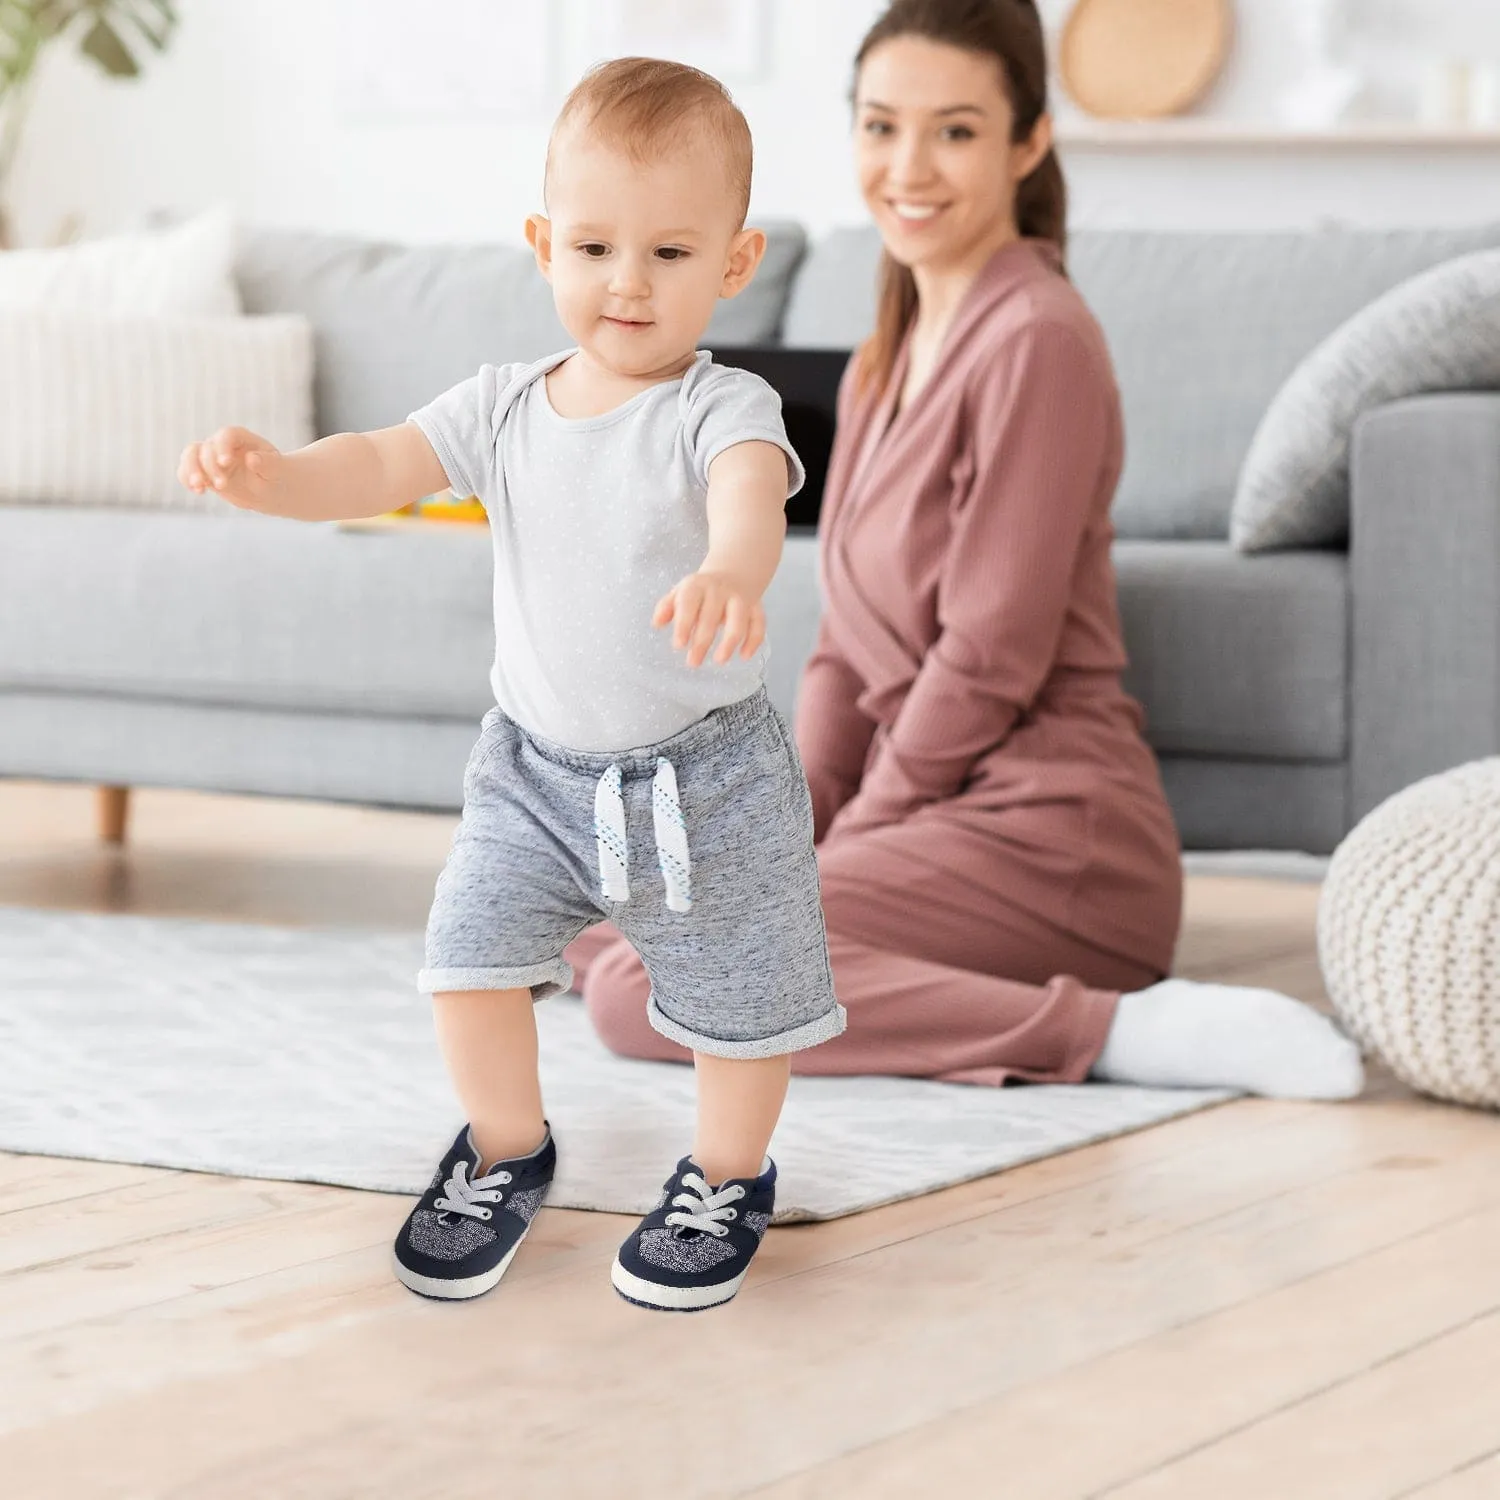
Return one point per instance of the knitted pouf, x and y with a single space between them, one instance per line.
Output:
1409 933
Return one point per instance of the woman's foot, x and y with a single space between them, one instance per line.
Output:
1181 1034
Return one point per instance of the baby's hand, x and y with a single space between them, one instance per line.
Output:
703 603
244 469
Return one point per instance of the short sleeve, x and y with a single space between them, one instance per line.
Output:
463 427
726 407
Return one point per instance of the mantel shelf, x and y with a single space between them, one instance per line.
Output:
1198 135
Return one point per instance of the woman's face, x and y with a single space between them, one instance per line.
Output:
933 149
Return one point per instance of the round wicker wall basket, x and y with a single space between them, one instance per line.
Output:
1144 59
1409 933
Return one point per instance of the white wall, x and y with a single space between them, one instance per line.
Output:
1392 42
247 108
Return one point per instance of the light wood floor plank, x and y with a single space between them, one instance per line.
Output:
1110 1420
31 1181
964 1312
1474 1481
1216 1140
1229 923
208 1205
1415 1417
150 1214
254 859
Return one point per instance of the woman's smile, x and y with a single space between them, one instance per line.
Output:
915 213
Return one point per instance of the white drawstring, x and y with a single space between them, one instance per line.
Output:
609 833
671 836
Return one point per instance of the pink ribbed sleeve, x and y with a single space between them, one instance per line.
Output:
833 735
1041 426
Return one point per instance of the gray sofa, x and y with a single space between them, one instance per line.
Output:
1286 694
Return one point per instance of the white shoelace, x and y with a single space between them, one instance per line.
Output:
460 1196
671 836
703 1209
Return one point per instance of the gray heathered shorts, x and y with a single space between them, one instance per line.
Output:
741 972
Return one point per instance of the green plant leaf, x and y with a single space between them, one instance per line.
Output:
53 16
102 43
21 41
114 34
150 18
158 31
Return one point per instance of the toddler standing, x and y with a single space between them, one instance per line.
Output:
636 493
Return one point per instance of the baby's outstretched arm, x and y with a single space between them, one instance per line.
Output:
746 529
341 478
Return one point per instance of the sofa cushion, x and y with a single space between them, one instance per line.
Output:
832 304
257 612
1231 655
1440 331
1204 329
1237 656
97 409
182 270
248 610
397 325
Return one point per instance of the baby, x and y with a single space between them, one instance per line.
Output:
636 493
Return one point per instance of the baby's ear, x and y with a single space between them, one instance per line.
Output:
745 255
539 237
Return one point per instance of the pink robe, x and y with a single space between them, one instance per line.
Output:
997 855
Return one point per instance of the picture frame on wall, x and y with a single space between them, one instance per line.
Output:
728 38
488 60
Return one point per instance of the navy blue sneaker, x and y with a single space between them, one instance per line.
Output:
693 1249
465 1230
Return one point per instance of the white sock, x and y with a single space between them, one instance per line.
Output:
1181 1034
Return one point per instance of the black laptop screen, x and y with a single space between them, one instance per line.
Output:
807 380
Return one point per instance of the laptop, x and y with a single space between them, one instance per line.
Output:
807 380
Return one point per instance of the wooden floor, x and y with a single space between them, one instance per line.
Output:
1268 1300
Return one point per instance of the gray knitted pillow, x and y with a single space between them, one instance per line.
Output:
1440 331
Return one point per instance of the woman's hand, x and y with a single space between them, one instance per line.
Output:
864 812
860 814
885 797
708 604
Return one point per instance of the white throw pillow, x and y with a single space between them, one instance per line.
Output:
97 411
1440 331
187 271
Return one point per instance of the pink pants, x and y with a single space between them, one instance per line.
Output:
942 976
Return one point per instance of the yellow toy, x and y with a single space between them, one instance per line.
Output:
449 507
443 508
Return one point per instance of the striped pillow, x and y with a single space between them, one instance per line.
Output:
97 410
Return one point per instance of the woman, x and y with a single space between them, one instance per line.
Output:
1001 872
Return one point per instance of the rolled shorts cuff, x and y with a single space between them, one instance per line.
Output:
798 1039
543 980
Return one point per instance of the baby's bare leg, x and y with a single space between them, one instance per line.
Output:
488 1039
739 1102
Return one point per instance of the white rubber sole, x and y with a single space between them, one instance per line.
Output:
445 1290
672 1298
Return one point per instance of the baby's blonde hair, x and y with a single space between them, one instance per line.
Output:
645 105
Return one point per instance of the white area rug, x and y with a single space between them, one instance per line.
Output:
304 1054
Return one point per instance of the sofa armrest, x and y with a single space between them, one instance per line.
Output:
1425 572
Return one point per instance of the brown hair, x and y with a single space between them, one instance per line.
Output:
647 104
1011 32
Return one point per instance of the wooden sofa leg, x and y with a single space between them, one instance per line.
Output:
114 811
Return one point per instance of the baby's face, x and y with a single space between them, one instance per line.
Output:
639 254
